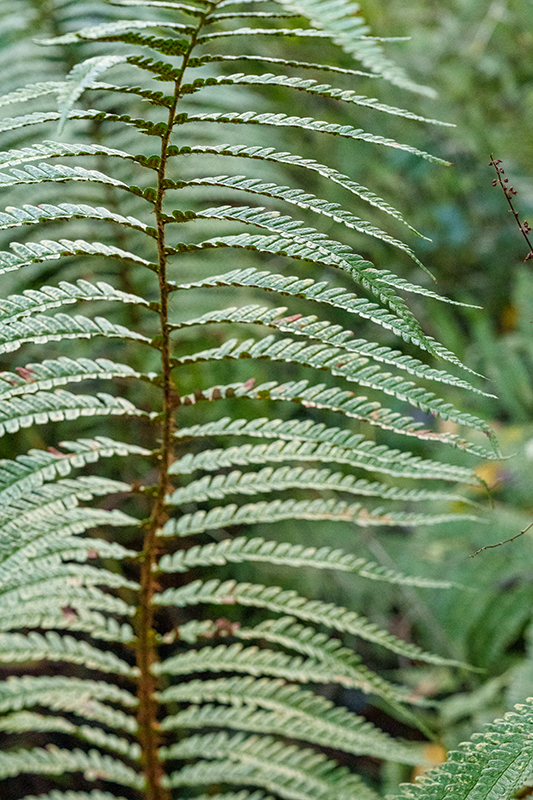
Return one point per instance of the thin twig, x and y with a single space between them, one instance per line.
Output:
505 541
509 192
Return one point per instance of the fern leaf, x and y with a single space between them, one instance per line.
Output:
45 329
45 212
319 292
270 154
310 87
103 32
278 696
31 722
27 472
285 631
55 613
350 367
302 200
290 772
44 407
43 172
38 252
339 400
289 602
81 77
68 492
52 647
48 297
321 330
276 510
308 441
50 374
290 717
257 549
55 761
164 70
492 765
342 19
58 692
69 523
50 148
308 124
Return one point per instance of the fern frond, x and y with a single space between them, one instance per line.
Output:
52 647
95 612
270 154
308 86
37 252
492 765
277 510
164 70
268 708
55 761
46 212
52 373
27 472
285 631
321 330
48 297
336 297
339 400
290 772
257 549
274 695
43 407
250 215
350 367
308 441
348 29
49 148
286 601
31 722
307 124
69 523
57 692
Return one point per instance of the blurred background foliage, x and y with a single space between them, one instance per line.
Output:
477 55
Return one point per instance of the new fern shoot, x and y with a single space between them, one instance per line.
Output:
195 380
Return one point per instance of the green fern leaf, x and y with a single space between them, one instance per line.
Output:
339 400
54 761
351 368
321 293
270 154
290 772
43 407
257 549
309 124
50 374
27 472
491 766
289 602
285 631
47 250
293 721
335 335
51 646
309 86
310 442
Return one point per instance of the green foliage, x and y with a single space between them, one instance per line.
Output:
111 583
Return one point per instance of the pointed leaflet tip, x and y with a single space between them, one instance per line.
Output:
79 79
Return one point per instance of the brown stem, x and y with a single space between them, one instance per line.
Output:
148 727
508 192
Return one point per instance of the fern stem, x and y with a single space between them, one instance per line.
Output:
148 726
